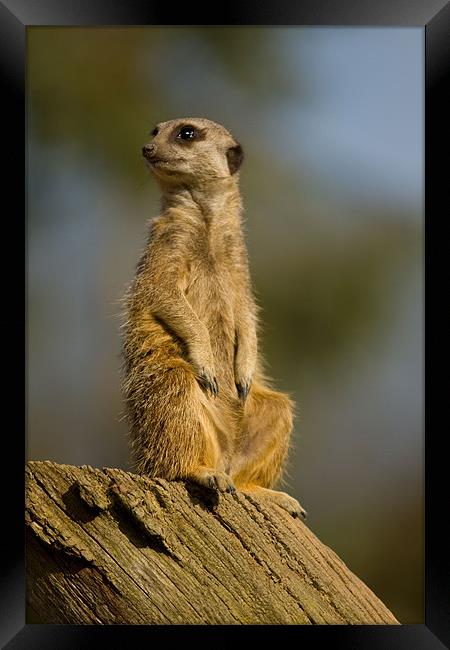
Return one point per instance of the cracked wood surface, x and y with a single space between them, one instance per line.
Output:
106 546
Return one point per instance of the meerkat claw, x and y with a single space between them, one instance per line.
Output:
210 385
302 514
243 390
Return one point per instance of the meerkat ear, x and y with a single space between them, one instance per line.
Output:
235 156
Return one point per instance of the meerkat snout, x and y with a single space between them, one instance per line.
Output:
148 150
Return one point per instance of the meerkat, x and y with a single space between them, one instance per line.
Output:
197 401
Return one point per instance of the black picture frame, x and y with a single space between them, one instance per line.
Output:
15 17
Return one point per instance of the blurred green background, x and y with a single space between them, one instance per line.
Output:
331 123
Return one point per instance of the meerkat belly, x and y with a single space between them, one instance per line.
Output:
210 295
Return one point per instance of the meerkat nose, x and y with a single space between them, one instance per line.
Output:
148 150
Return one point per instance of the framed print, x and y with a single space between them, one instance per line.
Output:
339 113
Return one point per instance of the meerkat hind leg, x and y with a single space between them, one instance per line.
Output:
188 436
258 465
211 472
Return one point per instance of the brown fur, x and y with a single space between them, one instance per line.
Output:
191 329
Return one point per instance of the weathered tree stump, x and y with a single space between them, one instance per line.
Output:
106 546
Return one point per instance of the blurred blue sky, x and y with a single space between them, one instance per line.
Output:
364 135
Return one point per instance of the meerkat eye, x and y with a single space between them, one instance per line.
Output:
187 133
155 131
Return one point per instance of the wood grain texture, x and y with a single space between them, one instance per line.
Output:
106 546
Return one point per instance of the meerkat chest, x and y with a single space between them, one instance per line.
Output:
210 284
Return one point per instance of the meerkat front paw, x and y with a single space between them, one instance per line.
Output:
208 381
243 380
243 388
243 376
203 366
206 378
245 363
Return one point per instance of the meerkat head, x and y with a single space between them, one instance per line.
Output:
192 151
